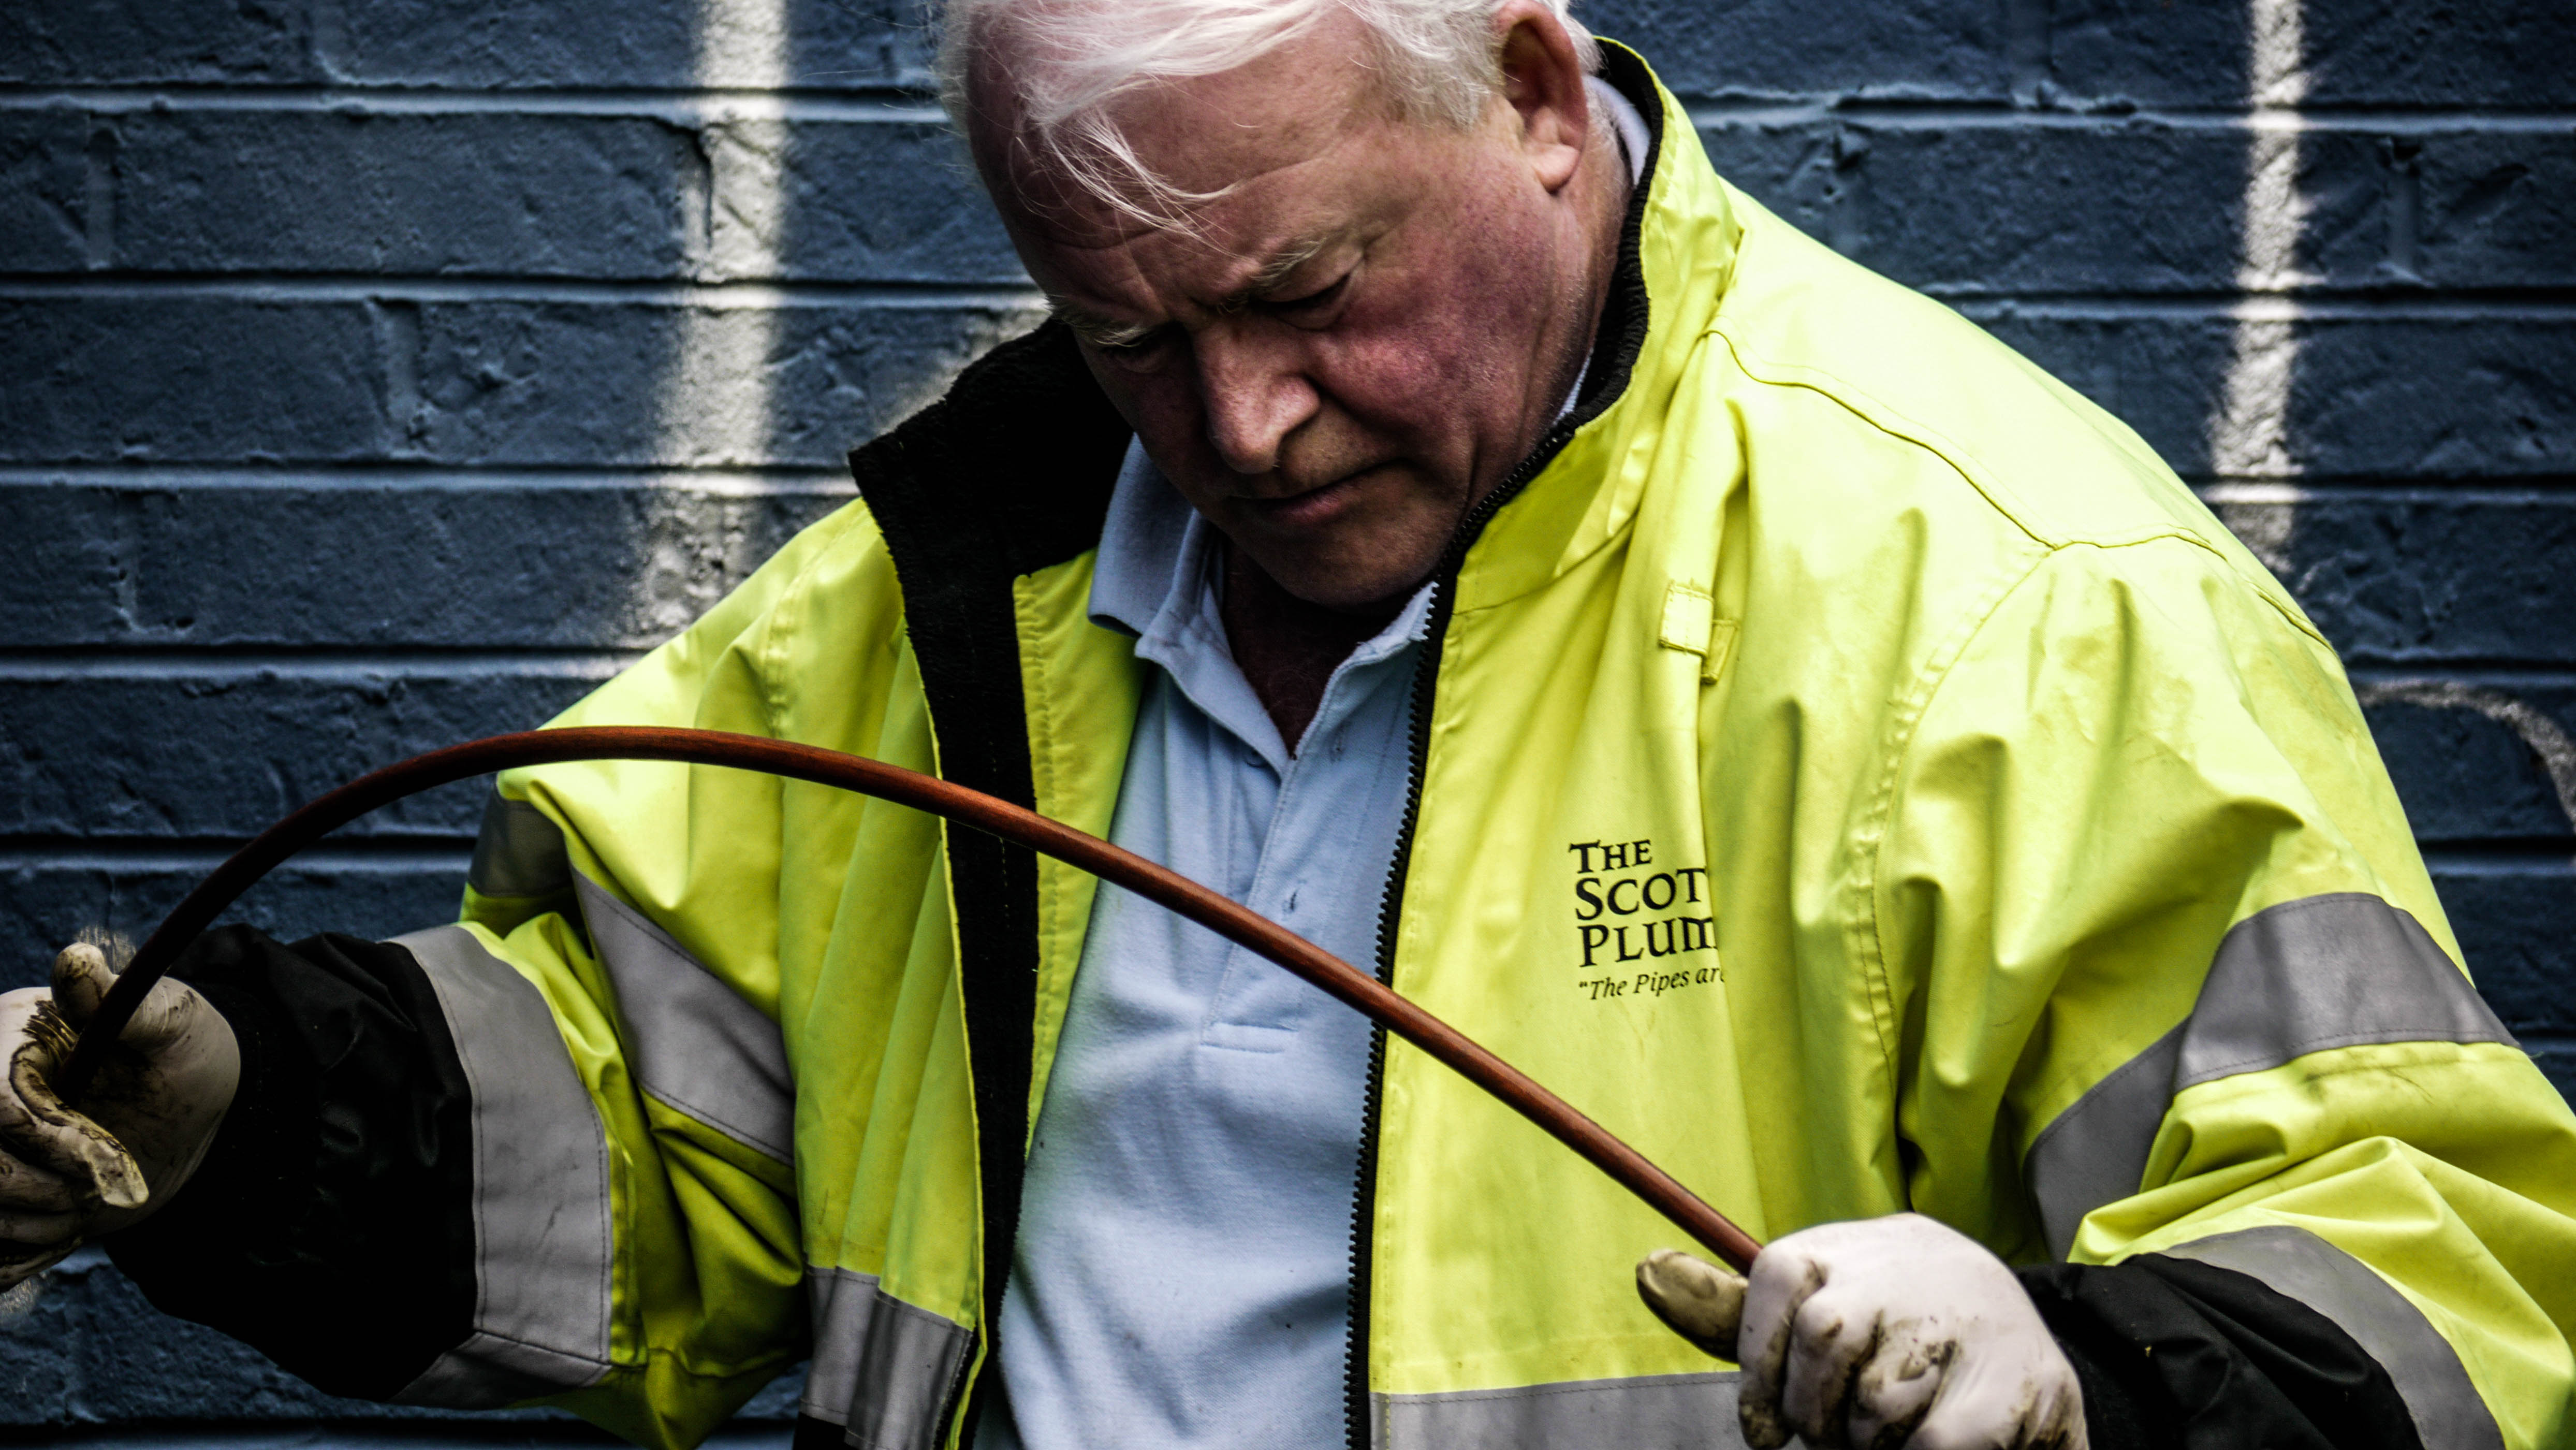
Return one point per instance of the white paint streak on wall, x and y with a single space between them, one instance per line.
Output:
2263 517
2547 740
718 403
2250 436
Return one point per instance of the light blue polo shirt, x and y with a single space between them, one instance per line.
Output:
1183 1261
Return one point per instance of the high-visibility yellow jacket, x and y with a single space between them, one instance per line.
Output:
1852 768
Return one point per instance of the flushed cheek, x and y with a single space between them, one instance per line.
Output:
1465 308
1416 387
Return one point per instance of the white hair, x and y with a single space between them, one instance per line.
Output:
1437 61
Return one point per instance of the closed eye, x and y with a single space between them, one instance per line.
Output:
1132 347
1108 336
1315 301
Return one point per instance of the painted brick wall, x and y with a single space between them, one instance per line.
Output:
377 375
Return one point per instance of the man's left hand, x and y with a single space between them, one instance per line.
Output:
1889 1331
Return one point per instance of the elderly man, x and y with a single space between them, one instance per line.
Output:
1446 517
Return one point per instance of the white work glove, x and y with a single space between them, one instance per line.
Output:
142 1126
1883 1332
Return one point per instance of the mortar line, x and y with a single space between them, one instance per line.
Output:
2289 303
2258 306
729 481
677 105
160 660
346 287
2483 492
326 664
441 853
2442 861
2479 673
829 483
897 105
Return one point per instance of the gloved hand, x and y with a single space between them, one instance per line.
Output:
1896 1331
142 1126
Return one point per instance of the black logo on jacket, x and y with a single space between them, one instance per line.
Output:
1628 909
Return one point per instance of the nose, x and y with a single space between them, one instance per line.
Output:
1254 395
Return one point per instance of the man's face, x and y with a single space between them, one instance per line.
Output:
1354 344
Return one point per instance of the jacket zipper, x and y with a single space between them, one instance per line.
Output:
1391 904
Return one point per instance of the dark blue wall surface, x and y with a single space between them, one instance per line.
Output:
377 375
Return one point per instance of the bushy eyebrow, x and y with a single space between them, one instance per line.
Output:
1102 331
1275 271
1095 329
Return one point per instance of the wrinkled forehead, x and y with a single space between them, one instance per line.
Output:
1186 143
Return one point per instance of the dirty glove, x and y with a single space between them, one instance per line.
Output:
141 1128
1894 1331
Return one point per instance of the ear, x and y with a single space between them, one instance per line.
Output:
1543 81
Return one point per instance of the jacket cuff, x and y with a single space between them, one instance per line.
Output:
2175 1353
331 1224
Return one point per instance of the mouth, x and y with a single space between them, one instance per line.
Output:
1315 508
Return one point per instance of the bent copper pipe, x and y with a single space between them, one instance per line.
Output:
1358 989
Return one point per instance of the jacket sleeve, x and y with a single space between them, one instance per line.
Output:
544 1153
341 1180
2164 976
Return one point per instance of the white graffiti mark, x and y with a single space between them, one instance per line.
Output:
718 400
2546 738
2250 435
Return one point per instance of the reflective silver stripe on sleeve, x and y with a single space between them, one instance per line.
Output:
1651 1412
2305 976
541 1211
690 1040
2448 1412
518 852
883 1370
2096 1151
2326 972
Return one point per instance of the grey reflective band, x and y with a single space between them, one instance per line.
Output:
1650 1412
518 852
690 1041
542 1245
2322 972
2096 1151
2326 972
887 1372
2449 1414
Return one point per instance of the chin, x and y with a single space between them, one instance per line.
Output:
1351 590
1368 559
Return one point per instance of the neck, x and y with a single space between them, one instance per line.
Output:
1605 207
1286 647
1600 209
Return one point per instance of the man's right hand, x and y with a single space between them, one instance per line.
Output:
69 1173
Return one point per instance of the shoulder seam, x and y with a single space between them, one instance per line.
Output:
1851 398
2289 615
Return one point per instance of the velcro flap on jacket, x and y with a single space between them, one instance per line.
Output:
1692 626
